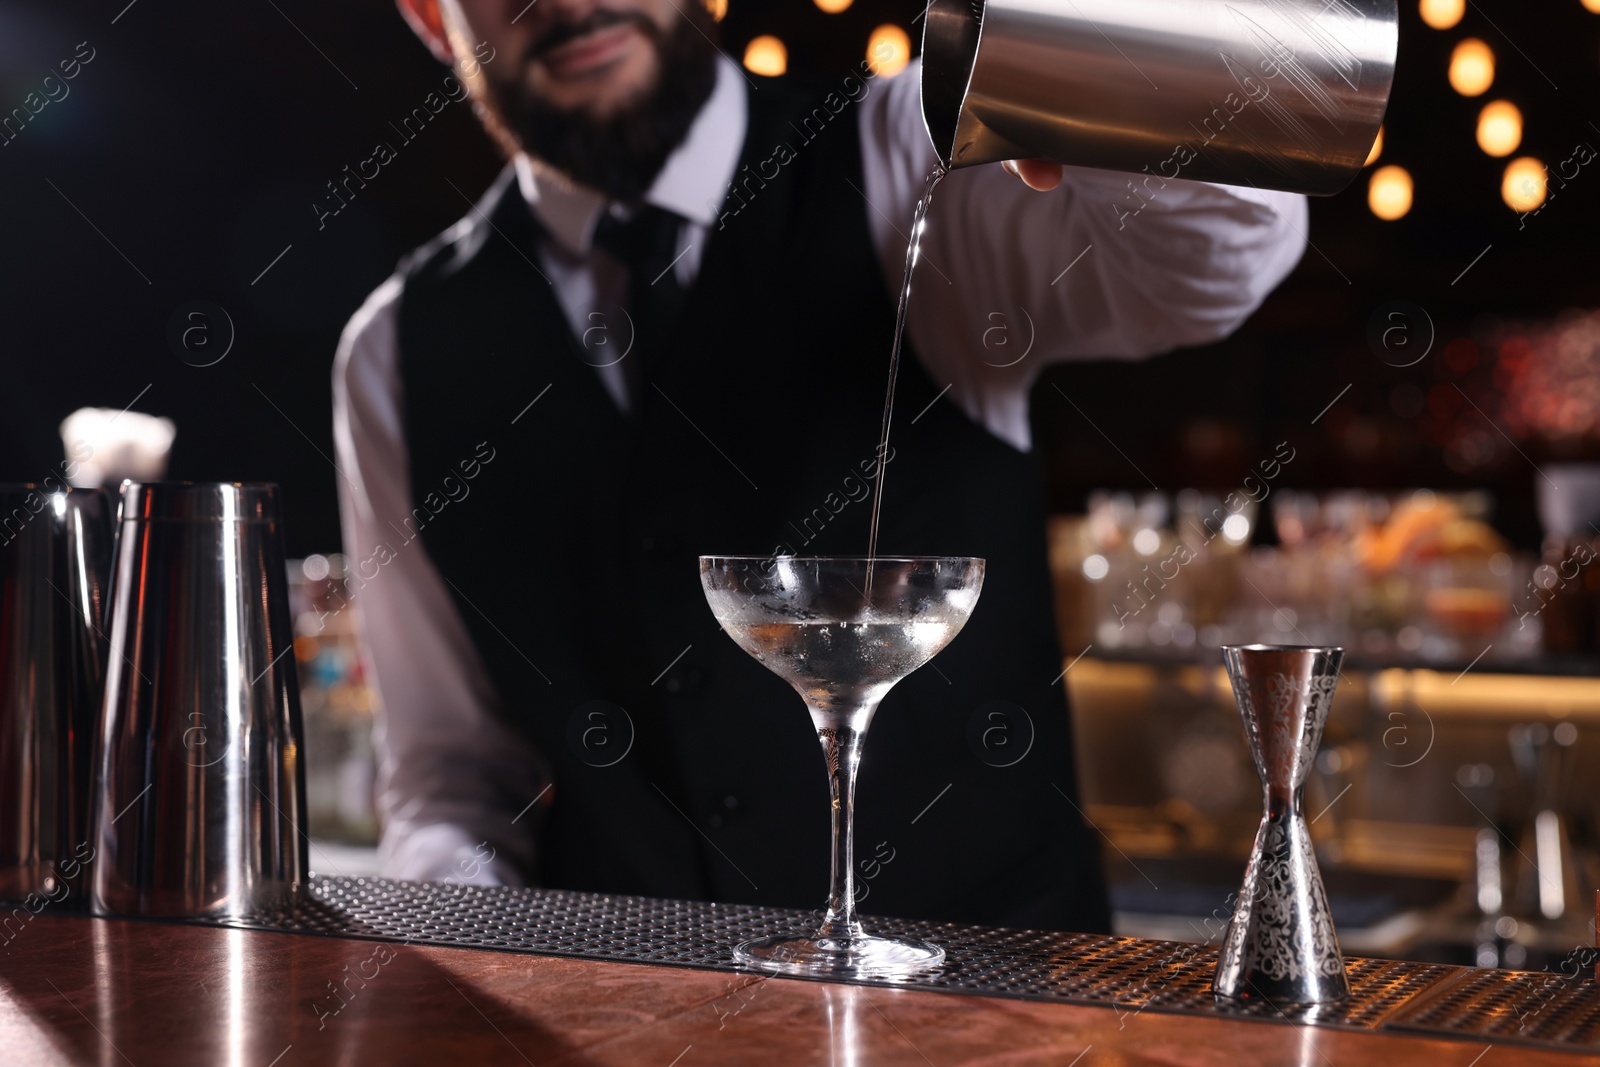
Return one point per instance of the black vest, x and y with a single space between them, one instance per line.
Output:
573 560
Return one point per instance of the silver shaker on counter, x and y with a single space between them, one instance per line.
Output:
199 774
55 552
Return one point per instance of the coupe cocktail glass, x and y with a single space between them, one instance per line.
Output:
842 630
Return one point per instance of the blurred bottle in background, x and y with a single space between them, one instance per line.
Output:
337 703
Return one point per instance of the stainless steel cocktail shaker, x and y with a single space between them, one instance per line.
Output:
199 780
55 551
1281 94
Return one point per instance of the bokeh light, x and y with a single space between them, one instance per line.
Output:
1550 375
1389 192
1499 128
1592 5
766 55
718 9
1523 187
888 50
1443 14
833 7
1471 67
1377 149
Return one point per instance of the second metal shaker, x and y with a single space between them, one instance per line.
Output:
55 550
200 784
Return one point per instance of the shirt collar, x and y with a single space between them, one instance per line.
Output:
692 184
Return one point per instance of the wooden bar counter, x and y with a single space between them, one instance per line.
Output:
98 991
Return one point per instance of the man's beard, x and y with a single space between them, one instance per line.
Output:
619 155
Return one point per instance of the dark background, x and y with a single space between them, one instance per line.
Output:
199 136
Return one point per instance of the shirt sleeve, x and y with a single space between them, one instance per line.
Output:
458 792
1106 266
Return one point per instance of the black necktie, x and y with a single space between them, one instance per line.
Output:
647 244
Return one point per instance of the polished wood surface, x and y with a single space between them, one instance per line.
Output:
96 991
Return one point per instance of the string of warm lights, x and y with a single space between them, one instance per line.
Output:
1390 189
888 46
1524 184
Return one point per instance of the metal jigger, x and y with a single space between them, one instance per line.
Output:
55 550
1280 947
199 779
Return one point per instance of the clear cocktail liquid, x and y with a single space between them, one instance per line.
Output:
913 246
846 665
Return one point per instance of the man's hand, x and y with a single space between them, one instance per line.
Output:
1037 174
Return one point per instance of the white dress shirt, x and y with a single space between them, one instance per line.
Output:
1009 280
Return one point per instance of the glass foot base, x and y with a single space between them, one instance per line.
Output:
839 957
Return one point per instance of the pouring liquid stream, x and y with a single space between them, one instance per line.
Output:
913 247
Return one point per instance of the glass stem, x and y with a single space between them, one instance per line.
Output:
841 744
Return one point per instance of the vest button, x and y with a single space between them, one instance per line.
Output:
722 812
684 681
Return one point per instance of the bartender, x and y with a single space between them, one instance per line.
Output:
664 331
